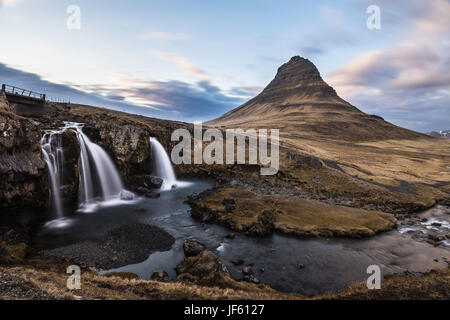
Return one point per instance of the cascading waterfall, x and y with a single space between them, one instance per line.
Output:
163 166
99 179
53 154
96 165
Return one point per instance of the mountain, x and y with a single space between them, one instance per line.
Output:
300 103
330 147
445 134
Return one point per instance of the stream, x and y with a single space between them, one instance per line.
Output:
329 264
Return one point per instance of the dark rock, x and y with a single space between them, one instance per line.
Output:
70 170
257 229
267 219
249 275
201 213
436 224
247 271
301 266
192 247
228 201
264 226
23 174
231 235
229 204
237 262
436 238
250 278
160 275
203 268
153 182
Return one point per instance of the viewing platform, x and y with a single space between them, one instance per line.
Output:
23 96
28 103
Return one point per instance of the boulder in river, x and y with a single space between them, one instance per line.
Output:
205 267
249 275
192 247
237 262
153 182
126 195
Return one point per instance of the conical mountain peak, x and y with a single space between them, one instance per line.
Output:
300 103
299 73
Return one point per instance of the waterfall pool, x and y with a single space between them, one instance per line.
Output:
330 264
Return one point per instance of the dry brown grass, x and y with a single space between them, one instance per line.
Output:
299 216
434 285
52 281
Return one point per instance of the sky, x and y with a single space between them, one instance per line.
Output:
194 60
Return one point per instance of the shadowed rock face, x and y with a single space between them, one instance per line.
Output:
23 179
300 103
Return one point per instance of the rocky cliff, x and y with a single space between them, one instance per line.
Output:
23 179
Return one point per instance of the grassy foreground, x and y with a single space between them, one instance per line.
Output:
44 280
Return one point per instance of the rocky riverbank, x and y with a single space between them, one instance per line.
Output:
121 246
23 275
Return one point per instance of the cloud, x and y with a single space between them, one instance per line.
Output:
10 3
247 92
412 77
159 35
184 63
174 100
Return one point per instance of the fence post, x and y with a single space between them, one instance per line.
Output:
3 87
43 97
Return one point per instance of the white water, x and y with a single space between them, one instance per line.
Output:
163 166
53 154
100 183
99 178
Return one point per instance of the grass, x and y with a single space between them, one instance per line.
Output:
298 216
434 285
49 279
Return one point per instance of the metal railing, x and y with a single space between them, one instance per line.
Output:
22 92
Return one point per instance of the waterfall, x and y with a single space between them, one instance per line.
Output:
95 166
99 179
53 154
163 166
